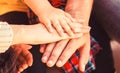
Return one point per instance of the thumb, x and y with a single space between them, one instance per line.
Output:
84 56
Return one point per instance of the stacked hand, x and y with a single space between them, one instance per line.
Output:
61 21
59 52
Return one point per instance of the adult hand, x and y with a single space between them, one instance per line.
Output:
25 58
52 51
58 53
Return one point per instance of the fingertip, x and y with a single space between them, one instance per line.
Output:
50 63
30 63
82 68
44 59
41 50
26 46
25 66
61 33
22 68
48 25
71 33
29 59
86 29
59 63
50 29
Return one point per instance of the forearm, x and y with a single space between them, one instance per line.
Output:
34 34
38 5
79 9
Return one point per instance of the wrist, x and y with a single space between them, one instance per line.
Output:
38 6
17 34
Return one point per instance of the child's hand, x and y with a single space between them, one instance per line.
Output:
60 20
24 59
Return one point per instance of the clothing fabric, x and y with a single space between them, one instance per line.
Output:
104 18
14 5
22 18
71 65
15 17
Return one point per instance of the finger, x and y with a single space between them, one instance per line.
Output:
25 46
58 27
42 48
77 27
66 27
72 24
56 53
22 68
47 24
28 57
21 64
47 52
67 53
85 29
69 16
21 46
16 49
82 29
84 56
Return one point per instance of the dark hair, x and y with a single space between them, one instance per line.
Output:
8 61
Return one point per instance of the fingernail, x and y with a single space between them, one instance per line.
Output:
49 63
59 63
83 68
44 59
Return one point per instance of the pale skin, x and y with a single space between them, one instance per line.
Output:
35 34
38 34
53 17
56 18
77 9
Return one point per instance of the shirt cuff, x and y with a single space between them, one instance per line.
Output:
6 36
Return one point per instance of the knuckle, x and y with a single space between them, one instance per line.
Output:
63 58
54 55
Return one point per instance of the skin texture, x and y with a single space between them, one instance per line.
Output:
53 17
33 34
78 9
62 22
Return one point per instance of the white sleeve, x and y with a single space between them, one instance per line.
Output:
6 36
